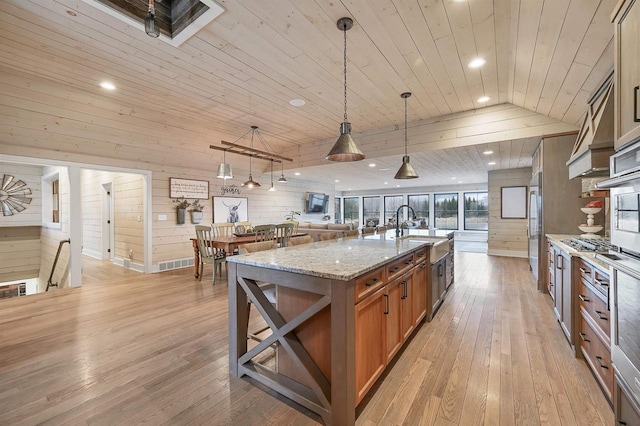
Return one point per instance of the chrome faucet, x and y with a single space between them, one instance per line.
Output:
398 228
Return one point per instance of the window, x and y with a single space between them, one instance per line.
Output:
371 211
55 201
337 211
476 215
446 211
51 200
391 205
420 205
351 209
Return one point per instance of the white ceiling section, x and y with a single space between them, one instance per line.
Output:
242 69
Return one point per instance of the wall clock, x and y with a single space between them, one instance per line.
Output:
14 196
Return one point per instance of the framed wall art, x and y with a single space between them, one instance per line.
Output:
230 209
189 188
514 202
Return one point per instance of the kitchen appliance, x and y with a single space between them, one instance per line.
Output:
625 267
554 202
601 245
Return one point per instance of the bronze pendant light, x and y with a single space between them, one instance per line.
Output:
345 148
406 171
150 24
282 179
251 183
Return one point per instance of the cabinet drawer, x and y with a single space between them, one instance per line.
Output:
400 266
595 307
601 281
369 283
597 355
585 270
419 255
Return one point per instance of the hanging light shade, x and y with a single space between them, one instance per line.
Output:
272 188
282 178
150 24
224 169
345 148
251 183
406 171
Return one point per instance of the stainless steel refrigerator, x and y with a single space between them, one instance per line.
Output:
554 200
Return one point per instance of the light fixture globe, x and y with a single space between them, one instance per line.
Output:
345 148
224 168
406 171
250 184
150 24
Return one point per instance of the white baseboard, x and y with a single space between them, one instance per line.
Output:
126 263
92 253
508 253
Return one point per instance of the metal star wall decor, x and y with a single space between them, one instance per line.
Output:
13 196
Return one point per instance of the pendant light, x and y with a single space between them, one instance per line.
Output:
345 148
251 183
150 24
224 169
282 178
406 171
272 188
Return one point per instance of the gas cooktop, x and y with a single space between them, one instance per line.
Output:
598 245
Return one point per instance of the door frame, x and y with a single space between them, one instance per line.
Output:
108 228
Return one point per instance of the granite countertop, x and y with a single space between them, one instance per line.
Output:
342 259
588 256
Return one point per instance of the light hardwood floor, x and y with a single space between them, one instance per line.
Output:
129 348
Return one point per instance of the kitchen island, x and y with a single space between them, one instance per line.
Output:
344 309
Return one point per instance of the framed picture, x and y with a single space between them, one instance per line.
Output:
189 188
230 209
514 202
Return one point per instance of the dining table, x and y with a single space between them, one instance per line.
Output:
228 243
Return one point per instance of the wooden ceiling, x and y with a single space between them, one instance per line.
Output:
547 56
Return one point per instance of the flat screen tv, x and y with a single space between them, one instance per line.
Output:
317 203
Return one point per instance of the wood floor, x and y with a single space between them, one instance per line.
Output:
129 348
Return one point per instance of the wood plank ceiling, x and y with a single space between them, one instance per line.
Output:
547 56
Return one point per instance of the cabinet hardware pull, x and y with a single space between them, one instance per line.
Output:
621 422
635 104
371 282
394 269
599 314
584 271
583 337
386 309
583 298
440 268
404 289
599 359
601 283
408 262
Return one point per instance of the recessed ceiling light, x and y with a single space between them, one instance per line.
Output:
488 152
483 99
477 63
71 13
348 189
491 163
372 164
297 173
454 177
297 102
386 183
384 170
108 85
397 186
337 180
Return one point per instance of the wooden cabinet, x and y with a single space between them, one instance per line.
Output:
627 411
562 289
551 270
627 73
390 303
594 325
449 265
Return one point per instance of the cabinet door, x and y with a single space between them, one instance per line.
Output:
419 294
434 291
567 301
627 74
394 293
370 344
442 277
449 268
408 320
557 288
552 272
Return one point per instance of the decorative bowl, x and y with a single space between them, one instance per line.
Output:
590 229
591 210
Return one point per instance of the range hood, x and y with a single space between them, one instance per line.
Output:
594 145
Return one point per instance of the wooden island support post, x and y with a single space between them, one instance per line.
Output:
344 308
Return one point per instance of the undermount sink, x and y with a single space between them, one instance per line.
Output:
440 245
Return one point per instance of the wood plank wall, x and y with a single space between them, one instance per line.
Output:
19 252
507 237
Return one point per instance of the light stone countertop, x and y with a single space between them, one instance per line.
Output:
341 259
588 256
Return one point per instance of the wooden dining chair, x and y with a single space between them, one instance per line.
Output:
328 236
258 246
265 232
305 239
222 229
241 227
208 253
381 229
368 230
284 231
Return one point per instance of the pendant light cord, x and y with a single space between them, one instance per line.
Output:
344 30
152 7
405 125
